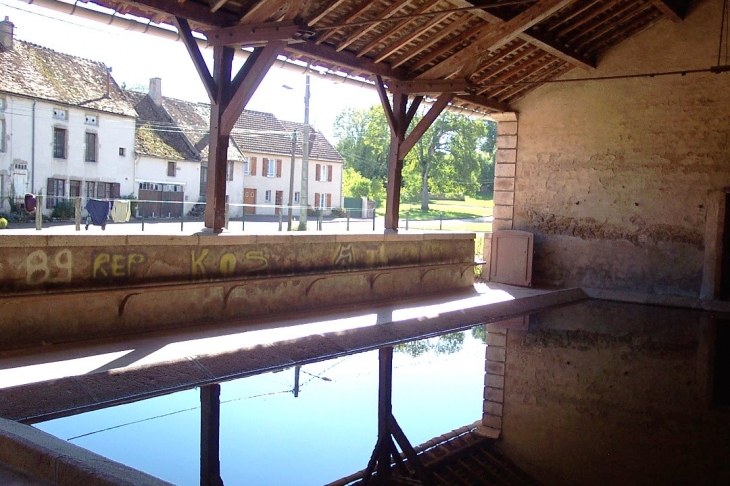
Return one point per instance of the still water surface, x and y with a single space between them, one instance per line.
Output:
270 437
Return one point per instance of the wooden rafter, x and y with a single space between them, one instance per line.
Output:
405 40
328 9
391 10
598 10
485 102
258 69
543 41
394 29
431 41
631 10
268 11
462 38
186 35
430 87
670 9
503 56
466 61
366 4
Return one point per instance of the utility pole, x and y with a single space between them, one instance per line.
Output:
291 177
303 198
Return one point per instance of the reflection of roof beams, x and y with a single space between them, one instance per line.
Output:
250 34
466 61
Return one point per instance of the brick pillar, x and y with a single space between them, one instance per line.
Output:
505 170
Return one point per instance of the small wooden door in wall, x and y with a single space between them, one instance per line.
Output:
511 261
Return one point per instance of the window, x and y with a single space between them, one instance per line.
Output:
270 168
122 151
323 200
246 167
90 190
74 189
60 114
2 135
229 171
59 143
296 197
268 196
107 190
90 153
171 169
91 120
323 173
56 190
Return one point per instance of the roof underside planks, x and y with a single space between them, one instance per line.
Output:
483 47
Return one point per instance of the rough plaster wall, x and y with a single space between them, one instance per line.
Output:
614 176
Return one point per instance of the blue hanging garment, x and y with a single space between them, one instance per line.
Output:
98 212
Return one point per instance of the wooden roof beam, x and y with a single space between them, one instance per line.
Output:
345 59
543 41
430 42
466 61
431 87
675 11
485 102
328 9
186 35
247 34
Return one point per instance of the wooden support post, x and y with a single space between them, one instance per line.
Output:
399 117
210 417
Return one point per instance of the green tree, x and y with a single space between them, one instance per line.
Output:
363 140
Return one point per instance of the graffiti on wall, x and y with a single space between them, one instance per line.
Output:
202 263
109 266
40 269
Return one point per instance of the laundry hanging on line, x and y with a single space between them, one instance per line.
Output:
121 211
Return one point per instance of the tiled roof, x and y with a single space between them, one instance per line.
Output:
42 73
255 132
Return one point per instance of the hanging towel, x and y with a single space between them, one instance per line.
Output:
98 210
121 211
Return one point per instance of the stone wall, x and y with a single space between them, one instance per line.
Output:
63 288
614 177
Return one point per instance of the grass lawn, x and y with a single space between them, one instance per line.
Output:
441 209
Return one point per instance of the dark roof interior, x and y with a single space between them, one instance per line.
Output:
477 49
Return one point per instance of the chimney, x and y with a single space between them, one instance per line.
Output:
155 91
6 34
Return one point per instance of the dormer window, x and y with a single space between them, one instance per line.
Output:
59 114
91 120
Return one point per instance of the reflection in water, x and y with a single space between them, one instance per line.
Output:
595 393
268 437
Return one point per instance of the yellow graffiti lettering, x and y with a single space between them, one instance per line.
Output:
260 261
134 259
118 265
228 264
197 267
36 265
100 262
64 261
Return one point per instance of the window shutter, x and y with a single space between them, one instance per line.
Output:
329 173
316 173
253 165
316 199
329 197
278 167
116 190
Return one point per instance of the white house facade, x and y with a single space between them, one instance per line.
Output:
67 130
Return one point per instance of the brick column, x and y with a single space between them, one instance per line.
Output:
505 170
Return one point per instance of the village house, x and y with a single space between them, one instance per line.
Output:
66 128
172 151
